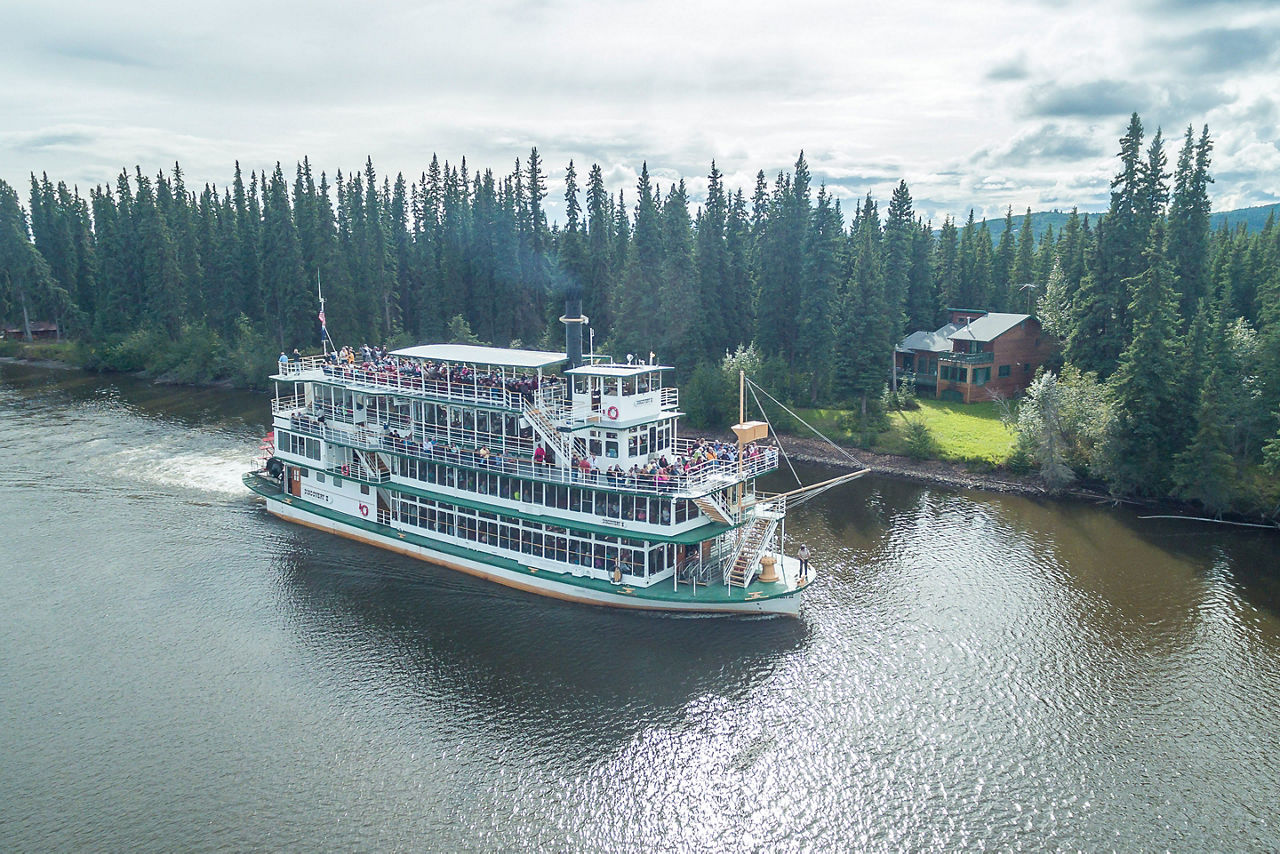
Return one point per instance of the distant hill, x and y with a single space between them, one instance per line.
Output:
1253 219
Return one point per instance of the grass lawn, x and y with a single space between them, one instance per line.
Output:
964 432
971 433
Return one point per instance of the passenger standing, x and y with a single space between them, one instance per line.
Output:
803 554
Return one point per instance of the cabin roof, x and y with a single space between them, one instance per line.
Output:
935 342
616 370
988 327
474 354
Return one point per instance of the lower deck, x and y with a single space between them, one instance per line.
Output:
778 597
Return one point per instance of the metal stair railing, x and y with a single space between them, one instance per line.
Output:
748 548
713 507
562 443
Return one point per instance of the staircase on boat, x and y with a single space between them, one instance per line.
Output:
714 509
560 443
744 563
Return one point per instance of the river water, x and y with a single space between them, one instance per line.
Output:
180 670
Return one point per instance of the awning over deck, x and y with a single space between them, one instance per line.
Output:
473 354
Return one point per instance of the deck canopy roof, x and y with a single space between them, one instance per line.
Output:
616 370
935 342
474 354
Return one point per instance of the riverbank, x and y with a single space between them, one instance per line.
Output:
958 475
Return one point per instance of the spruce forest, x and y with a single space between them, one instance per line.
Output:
1167 384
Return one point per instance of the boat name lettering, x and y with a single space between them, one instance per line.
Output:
317 495
617 523
644 401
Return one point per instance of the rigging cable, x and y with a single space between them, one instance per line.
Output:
816 431
781 449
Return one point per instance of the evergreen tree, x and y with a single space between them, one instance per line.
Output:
1189 224
162 286
27 288
712 260
1149 425
780 275
947 265
1004 289
922 295
737 311
824 271
679 334
1023 270
899 236
289 303
864 345
638 318
600 249
1205 471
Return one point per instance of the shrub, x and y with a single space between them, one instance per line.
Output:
920 442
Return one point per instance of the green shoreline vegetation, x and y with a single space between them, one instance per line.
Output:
1166 385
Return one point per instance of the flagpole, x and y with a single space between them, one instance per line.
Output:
325 340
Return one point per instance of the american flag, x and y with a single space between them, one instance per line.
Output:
322 317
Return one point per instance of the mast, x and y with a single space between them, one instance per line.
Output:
742 416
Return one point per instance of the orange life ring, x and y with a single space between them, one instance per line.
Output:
612 412
364 510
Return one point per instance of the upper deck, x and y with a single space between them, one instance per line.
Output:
615 423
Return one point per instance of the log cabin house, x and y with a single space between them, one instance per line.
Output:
977 355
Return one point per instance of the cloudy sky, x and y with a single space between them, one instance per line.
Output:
975 104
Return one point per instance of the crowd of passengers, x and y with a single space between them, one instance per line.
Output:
377 365
705 455
658 472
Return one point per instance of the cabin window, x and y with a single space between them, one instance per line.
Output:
319 477
611 449
1005 370
364 489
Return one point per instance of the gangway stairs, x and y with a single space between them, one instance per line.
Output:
757 534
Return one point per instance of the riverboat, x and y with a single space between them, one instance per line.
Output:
556 474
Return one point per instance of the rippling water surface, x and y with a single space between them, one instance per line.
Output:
179 670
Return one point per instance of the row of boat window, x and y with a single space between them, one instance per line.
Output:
610 505
492 429
600 552
299 445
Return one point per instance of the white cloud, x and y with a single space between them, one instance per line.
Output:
1019 105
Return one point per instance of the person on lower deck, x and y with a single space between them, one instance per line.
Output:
803 554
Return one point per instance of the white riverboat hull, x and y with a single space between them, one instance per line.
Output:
545 584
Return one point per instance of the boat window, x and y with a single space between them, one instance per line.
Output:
611 449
